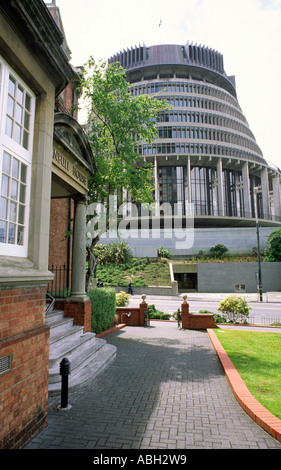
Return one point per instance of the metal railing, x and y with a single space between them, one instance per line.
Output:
60 287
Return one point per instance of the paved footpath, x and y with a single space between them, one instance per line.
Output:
166 389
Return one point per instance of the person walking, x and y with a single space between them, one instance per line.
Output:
130 288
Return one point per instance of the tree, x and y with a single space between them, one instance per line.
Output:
117 121
273 246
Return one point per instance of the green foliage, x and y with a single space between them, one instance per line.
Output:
218 318
103 308
117 121
141 271
218 251
155 314
273 246
112 253
235 309
122 299
164 253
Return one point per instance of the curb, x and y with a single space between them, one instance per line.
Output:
110 330
248 402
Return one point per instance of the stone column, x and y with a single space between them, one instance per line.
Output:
156 183
246 190
276 196
220 187
78 306
265 193
78 286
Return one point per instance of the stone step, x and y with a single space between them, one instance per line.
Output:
87 354
86 368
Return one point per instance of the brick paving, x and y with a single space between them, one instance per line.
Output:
166 389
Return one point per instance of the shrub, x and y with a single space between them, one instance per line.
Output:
273 246
122 299
155 314
163 253
218 251
234 309
218 318
112 253
103 308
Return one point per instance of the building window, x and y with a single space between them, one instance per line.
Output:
17 106
18 113
171 188
13 201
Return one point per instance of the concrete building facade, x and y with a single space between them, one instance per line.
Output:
43 154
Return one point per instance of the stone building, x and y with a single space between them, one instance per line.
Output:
44 155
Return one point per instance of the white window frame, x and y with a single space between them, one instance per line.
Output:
17 151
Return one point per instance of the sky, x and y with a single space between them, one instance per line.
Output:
246 32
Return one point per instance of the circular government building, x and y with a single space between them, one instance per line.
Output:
206 158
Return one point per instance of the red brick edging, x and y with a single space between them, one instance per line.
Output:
249 403
110 330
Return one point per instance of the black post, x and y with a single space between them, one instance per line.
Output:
65 368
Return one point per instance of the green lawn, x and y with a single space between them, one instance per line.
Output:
257 358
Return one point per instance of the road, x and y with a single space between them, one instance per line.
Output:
262 313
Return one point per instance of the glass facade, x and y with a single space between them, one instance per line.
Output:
205 153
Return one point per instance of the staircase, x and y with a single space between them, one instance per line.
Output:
87 354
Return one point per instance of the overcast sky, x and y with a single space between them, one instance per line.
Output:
246 32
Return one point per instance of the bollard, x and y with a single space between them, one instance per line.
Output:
179 317
65 368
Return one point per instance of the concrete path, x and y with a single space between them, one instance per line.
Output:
165 390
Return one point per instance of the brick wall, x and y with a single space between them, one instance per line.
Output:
24 340
58 244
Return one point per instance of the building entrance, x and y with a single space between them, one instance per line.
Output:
186 281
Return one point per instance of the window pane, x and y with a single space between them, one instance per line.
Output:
17 134
20 235
14 190
9 127
3 231
26 120
12 85
15 168
11 233
13 212
6 163
21 215
27 102
18 116
3 208
5 186
25 140
23 173
22 193
20 93
10 106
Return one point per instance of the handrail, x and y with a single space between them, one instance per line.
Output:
51 305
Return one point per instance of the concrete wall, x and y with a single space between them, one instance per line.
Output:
222 277
238 240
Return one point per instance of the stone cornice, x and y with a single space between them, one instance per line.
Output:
33 22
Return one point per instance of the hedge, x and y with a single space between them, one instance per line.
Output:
103 308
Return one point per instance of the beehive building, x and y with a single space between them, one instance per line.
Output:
206 154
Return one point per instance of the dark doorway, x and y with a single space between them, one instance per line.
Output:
186 281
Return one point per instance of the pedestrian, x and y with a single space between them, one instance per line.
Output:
130 288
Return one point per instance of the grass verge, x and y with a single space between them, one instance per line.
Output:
256 356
